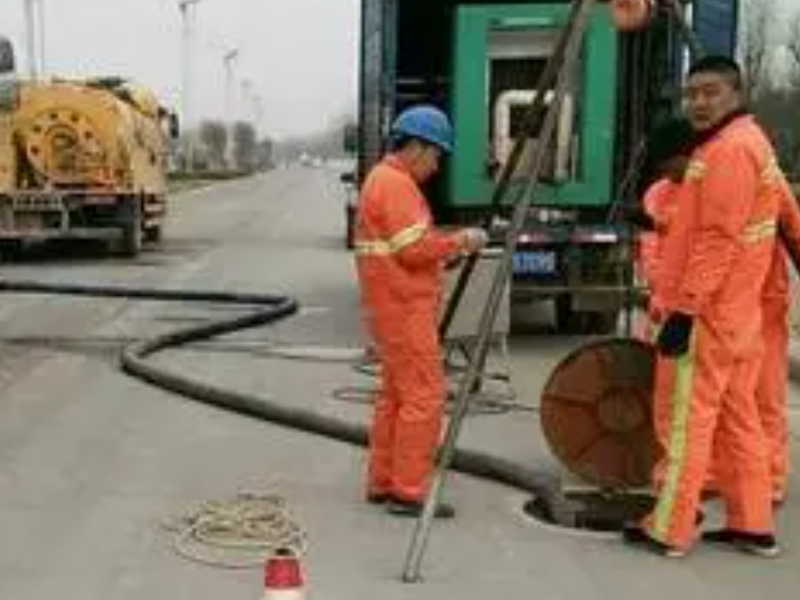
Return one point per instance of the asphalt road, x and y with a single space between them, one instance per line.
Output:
92 461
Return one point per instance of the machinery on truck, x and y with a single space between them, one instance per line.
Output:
82 159
479 61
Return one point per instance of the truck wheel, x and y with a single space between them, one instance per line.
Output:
604 322
566 318
584 322
153 234
132 228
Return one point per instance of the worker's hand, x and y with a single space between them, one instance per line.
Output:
675 335
473 239
640 218
655 312
454 262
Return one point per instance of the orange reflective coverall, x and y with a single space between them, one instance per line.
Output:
771 394
717 253
659 203
400 258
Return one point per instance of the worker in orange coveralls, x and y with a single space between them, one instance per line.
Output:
717 257
400 261
771 393
668 153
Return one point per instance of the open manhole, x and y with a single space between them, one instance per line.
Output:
590 511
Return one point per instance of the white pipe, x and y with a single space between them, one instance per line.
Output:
503 142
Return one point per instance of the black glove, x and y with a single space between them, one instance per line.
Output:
673 340
639 218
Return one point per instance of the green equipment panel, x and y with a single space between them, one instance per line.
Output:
499 51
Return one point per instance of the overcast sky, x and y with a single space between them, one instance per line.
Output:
301 55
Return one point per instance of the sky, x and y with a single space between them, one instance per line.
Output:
300 55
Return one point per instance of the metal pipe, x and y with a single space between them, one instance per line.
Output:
574 38
695 46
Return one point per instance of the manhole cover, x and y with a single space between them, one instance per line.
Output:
596 413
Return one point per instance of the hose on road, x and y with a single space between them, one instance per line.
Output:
270 309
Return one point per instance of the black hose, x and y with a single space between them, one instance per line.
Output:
133 361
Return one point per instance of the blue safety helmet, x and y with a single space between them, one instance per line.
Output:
425 122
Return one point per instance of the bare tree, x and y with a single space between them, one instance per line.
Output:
214 136
793 48
245 145
755 43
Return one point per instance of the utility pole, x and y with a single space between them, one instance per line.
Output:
228 59
42 56
30 38
187 14
248 100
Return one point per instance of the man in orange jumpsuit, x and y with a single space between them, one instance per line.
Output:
771 394
717 256
668 153
400 259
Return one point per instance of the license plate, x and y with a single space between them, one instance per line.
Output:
534 263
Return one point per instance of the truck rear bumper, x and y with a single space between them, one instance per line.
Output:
74 233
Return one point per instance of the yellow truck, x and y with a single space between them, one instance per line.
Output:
82 159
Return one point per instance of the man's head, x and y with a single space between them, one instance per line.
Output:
420 157
714 91
421 135
669 147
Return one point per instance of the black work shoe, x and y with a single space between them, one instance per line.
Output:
636 536
378 498
404 508
760 544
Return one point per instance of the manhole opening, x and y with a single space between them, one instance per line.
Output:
590 511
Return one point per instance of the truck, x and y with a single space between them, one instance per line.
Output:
479 61
81 159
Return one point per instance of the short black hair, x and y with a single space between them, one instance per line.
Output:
400 142
721 65
671 138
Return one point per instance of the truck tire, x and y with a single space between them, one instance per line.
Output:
603 322
570 321
567 320
132 228
153 235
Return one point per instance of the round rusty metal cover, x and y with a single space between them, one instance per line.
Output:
596 413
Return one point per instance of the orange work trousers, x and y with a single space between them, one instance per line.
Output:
771 393
771 398
409 407
705 407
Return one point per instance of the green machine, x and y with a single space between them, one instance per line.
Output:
499 53
480 62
